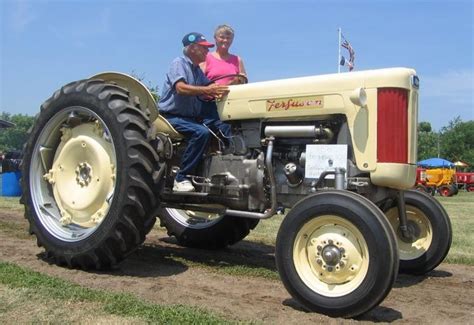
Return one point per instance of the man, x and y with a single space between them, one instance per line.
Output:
185 112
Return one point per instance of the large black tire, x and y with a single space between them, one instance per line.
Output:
87 176
430 223
337 254
204 230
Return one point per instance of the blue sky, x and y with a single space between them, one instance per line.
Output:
46 44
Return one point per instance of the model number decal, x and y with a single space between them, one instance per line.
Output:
284 104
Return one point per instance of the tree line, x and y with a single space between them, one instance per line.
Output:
453 142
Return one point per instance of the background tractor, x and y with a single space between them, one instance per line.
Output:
338 150
441 180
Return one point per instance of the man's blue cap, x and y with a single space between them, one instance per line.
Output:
196 38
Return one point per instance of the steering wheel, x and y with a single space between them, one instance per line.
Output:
243 80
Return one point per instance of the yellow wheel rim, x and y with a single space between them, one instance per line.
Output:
331 256
419 225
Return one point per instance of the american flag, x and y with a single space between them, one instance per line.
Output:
348 47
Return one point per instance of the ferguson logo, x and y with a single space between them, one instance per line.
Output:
285 104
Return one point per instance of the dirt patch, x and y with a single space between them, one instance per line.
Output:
442 296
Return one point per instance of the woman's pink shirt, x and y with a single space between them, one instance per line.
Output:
216 67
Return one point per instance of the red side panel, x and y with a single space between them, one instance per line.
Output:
392 125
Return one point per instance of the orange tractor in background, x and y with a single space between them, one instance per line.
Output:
432 180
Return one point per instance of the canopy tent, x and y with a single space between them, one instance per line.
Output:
460 163
435 162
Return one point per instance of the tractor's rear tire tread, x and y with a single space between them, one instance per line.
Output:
128 232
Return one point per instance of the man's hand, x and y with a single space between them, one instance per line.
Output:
216 91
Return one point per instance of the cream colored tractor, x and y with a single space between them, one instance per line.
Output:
338 151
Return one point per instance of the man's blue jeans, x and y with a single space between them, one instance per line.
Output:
197 137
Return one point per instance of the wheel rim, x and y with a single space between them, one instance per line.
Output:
72 174
194 219
331 256
419 225
444 191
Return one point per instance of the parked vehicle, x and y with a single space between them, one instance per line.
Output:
465 180
339 150
432 180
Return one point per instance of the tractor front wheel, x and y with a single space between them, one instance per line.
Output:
336 254
431 232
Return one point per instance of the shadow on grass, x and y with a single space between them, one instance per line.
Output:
163 257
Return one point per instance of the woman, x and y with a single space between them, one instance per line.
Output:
221 62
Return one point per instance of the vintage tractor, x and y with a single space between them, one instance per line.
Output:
432 180
465 180
338 150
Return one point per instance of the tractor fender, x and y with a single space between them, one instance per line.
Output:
139 93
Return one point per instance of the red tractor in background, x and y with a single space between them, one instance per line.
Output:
465 180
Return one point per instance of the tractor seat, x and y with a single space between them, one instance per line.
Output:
162 125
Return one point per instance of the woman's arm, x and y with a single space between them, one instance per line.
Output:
241 67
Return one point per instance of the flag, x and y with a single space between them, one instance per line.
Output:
348 47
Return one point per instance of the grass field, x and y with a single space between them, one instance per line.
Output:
31 297
460 209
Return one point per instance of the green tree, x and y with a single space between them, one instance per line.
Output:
457 141
152 88
15 137
427 141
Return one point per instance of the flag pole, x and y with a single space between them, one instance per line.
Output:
339 51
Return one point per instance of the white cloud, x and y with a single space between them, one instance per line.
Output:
22 15
456 87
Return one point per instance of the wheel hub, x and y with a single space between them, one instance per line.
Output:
83 175
419 228
331 255
414 232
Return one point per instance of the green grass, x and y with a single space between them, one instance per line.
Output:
460 209
124 305
10 203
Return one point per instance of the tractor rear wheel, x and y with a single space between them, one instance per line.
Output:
205 230
430 227
445 191
337 254
87 176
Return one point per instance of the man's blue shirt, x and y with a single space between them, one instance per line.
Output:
171 102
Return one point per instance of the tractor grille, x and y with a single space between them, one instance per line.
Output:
392 125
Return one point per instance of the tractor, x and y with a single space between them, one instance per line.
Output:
338 151
432 180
